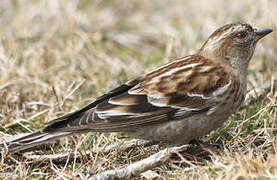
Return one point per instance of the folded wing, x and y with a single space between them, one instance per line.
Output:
175 91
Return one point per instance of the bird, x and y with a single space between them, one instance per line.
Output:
176 103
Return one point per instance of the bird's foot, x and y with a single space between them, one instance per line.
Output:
198 142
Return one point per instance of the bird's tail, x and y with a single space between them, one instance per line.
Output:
32 140
55 129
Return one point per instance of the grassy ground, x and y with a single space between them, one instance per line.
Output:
57 56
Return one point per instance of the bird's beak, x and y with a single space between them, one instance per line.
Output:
260 33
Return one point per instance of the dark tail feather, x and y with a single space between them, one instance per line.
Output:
32 140
57 128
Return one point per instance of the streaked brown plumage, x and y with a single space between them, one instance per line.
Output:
175 103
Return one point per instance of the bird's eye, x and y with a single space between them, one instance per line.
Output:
242 35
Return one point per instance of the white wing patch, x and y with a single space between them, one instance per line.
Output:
162 102
198 95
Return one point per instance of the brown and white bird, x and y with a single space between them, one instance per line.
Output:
178 102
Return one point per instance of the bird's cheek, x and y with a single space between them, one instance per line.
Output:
252 49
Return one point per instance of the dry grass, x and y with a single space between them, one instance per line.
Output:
57 56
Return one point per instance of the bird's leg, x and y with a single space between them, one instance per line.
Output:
198 142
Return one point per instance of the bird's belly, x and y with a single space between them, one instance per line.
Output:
184 130
179 131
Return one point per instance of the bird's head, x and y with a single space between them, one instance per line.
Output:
233 44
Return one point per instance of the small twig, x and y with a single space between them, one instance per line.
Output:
55 158
63 157
56 96
136 168
71 91
3 86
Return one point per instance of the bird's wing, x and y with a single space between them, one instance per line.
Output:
177 90
187 86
